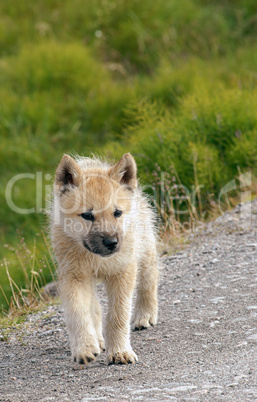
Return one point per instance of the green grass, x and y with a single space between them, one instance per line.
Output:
173 82
214 128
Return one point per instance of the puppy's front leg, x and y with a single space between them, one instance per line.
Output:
76 297
120 290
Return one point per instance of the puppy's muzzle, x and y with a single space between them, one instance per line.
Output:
110 243
103 245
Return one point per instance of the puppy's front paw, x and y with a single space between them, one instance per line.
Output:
101 344
125 357
143 321
86 355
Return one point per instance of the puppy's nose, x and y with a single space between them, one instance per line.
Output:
110 242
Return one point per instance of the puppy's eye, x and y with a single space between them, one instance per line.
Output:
88 216
117 213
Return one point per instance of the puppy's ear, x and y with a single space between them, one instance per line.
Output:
125 171
67 174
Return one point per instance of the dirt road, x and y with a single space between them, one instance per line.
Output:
204 347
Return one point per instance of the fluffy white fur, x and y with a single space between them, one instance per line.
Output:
80 185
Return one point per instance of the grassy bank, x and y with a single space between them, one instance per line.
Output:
174 83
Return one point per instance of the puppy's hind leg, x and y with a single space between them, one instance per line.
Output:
146 307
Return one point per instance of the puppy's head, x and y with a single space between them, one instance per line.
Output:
92 203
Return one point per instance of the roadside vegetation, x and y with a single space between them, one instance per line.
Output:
172 82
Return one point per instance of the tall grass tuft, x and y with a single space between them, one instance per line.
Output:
35 269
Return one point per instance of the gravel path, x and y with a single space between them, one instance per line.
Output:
203 349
